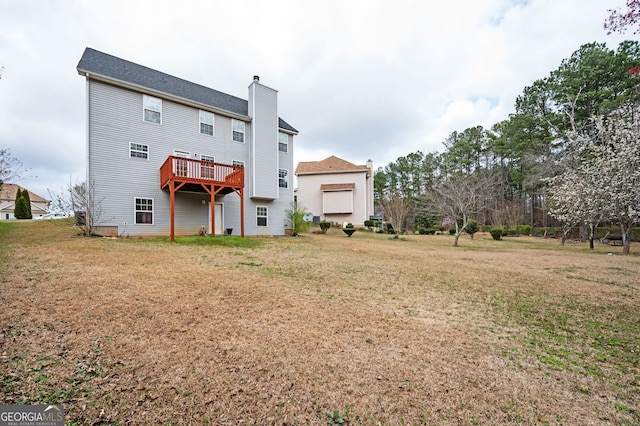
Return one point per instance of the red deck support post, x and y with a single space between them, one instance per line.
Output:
242 212
172 209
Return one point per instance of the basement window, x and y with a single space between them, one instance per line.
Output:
144 211
261 215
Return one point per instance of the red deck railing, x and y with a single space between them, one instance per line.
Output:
188 170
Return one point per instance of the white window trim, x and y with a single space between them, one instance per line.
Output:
244 130
212 124
135 211
144 108
266 216
285 142
181 153
238 163
206 157
131 150
286 178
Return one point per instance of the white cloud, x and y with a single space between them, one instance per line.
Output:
359 79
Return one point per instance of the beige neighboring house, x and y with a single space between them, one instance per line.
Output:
39 206
336 190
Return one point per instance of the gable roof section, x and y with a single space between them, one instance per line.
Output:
111 68
8 193
331 164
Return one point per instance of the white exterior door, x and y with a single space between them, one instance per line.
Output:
219 218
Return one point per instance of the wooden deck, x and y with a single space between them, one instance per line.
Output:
186 174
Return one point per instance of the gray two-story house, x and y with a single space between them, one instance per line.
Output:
170 157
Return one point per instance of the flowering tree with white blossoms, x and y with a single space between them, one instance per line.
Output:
601 180
574 196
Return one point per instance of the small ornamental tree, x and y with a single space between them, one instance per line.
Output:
27 203
448 222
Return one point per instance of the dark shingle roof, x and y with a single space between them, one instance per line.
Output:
111 67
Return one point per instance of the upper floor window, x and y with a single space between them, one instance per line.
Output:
206 123
238 163
238 130
144 210
283 178
261 215
138 150
207 170
152 109
283 142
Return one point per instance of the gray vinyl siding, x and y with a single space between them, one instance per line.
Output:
116 119
263 109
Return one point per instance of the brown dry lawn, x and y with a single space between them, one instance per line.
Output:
281 331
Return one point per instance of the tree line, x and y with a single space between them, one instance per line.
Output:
522 169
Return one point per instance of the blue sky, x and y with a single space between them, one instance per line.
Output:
359 79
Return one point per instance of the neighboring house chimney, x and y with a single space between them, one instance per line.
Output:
263 110
370 201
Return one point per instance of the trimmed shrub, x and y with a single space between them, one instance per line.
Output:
349 229
389 228
452 231
472 228
324 226
371 223
496 233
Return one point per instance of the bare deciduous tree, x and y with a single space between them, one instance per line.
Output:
395 208
462 196
80 198
10 167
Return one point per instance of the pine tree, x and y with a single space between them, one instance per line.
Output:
20 207
27 203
